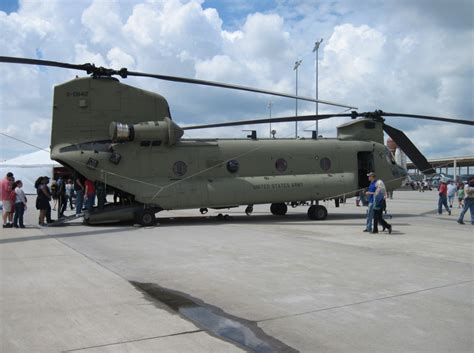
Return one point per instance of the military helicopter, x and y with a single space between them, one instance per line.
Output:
124 137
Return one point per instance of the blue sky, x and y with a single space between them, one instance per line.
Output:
9 5
233 13
396 55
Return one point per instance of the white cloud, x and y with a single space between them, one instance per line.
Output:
118 59
84 55
172 27
40 127
10 129
102 20
411 61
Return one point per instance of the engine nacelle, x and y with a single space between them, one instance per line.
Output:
165 130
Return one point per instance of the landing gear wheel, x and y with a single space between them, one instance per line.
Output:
146 218
317 212
203 210
278 209
249 210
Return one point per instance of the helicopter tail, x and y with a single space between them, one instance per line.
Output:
85 107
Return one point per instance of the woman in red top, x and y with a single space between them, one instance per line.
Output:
90 194
443 198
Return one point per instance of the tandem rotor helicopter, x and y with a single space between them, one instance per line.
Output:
123 136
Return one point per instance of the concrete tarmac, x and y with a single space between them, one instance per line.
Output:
297 284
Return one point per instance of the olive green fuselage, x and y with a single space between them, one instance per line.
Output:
221 173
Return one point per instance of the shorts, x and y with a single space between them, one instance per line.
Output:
7 206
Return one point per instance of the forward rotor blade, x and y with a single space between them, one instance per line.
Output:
410 149
268 120
428 117
100 71
236 87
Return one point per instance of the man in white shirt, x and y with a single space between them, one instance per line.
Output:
452 189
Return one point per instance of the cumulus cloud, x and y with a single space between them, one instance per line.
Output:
101 19
118 58
40 126
414 60
172 27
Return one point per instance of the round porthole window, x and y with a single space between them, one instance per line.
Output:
233 166
281 165
325 163
180 168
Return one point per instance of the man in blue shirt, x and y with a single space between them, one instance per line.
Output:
370 197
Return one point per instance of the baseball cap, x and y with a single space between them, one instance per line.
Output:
371 174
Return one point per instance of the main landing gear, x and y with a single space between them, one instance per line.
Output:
315 212
278 209
146 217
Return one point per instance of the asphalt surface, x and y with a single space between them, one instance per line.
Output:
257 283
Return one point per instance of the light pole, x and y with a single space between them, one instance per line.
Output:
295 68
270 110
316 50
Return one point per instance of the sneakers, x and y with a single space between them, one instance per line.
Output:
460 222
8 225
449 213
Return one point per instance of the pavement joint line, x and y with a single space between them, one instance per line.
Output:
363 302
132 341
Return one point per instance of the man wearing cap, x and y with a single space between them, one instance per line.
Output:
6 189
370 198
443 197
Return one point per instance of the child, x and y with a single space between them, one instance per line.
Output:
461 195
20 204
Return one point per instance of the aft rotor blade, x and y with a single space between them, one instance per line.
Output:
236 87
409 149
428 117
9 59
101 71
268 120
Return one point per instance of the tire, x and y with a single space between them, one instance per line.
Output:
146 218
278 209
317 212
